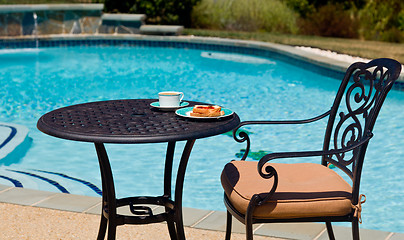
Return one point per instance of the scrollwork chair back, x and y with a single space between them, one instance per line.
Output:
354 112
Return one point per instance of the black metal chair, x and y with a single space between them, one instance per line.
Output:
266 192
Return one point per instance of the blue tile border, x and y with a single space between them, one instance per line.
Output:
323 66
31 43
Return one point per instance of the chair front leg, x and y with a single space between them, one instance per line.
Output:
355 229
228 226
103 227
249 216
330 231
249 231
111 230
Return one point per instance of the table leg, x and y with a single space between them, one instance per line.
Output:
179 188
167 186
108 213
103 223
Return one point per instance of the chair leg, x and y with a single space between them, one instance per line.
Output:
171 230
111 231
330 231
249 231
248 222
249 216
103 228
355 230
228 226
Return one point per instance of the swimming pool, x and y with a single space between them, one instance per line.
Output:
35 81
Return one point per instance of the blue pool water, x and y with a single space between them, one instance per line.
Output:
35 81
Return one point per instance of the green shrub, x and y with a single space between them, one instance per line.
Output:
392 35
400 20
157 11
330 21
252 15
383 20
302 7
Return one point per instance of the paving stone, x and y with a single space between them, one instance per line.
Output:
397 236
4 187
69 202
346 233
24 196
301 231
96 209
217 222
193 215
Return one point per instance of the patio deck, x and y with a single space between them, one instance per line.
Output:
33 214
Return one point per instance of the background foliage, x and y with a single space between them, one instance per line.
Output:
157 11
383 20
330 21
380 20
252 15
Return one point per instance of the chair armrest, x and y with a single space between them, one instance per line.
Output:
302 121
272 156
269 171
242 136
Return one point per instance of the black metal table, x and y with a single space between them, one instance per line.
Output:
129 122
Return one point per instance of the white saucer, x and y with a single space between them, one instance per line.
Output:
157 105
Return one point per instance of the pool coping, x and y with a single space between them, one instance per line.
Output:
290 52
193 218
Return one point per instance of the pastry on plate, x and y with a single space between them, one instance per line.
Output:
206 111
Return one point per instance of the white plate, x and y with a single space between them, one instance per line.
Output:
157 105
186 112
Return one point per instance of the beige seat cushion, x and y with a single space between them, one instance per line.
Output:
304 190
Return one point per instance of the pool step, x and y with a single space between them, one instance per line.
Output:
47 180
14 142
119 23
161 30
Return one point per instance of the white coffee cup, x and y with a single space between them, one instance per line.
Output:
170 99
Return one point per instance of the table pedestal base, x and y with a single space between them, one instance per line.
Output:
142 214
